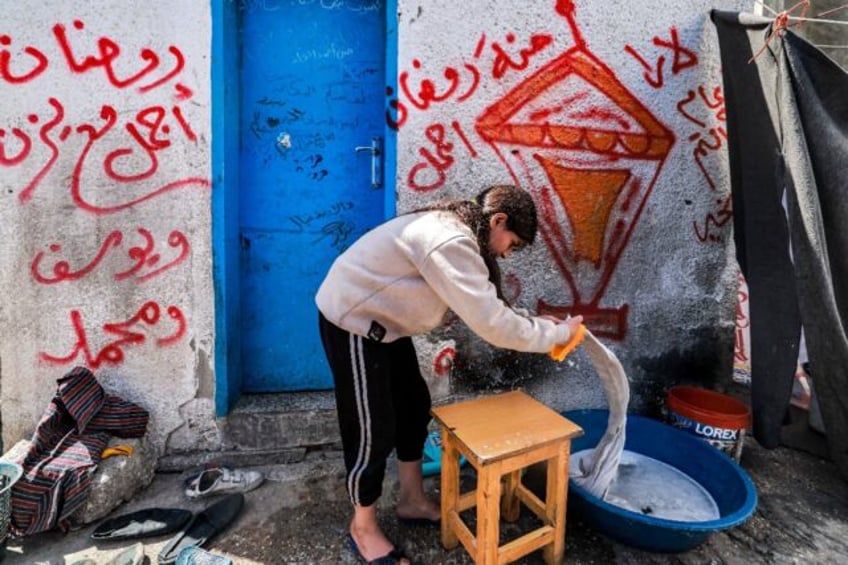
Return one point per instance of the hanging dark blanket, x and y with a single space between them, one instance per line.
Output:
66 449
787 120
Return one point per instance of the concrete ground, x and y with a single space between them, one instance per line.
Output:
300 514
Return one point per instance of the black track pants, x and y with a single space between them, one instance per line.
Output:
382 402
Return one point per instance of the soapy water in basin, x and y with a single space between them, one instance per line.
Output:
653 488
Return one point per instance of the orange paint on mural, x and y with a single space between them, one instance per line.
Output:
588 198
590 153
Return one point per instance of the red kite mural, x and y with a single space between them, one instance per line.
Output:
590 153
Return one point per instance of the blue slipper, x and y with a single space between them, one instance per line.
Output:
391 558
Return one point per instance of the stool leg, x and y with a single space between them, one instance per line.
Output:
555 503
450 488
488 514
510 509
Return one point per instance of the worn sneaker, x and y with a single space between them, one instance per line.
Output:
222 480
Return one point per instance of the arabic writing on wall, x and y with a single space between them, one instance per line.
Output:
496 59
122 149
741 350
585 145
131 145
708 116
570 132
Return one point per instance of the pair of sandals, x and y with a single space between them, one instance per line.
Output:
192 530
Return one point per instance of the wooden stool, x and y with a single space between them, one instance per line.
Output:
500 435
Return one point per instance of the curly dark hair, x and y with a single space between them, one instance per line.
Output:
520 212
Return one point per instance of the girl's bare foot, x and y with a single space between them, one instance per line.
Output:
412 501
422 508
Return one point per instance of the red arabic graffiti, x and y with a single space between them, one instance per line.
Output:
27 146
142 256
704 146
743 323
683 58
590 152
107 54
708 109
114 159
427 93
431 173
461 81
149 132
503 62
39 65
706 142
113 353
714 102
444 362
23 140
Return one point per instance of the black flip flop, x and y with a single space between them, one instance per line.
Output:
391 558
142 524
204 526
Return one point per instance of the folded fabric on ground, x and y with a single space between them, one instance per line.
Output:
598 470
65 449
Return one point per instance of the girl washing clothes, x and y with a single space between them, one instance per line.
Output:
398 280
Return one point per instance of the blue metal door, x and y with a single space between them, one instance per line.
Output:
312 98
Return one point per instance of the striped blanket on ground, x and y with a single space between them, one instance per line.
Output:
65 450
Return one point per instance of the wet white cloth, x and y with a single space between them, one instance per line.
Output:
597 471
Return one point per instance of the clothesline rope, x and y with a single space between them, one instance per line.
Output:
819 20
833 10
783 20
802 18
767 7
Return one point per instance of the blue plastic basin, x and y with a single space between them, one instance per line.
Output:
728 484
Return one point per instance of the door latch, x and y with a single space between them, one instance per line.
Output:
376 149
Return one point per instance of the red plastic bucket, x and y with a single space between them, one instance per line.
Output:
718 419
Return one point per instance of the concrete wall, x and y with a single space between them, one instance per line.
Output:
105 227
105 255
611 114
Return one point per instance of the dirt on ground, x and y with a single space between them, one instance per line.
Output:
300 516
801 517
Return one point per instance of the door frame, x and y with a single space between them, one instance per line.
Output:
226 102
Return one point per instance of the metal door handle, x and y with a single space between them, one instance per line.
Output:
376 150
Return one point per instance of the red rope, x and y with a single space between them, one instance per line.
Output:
781 24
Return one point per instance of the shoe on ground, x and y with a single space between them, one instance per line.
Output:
195 556
223 480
